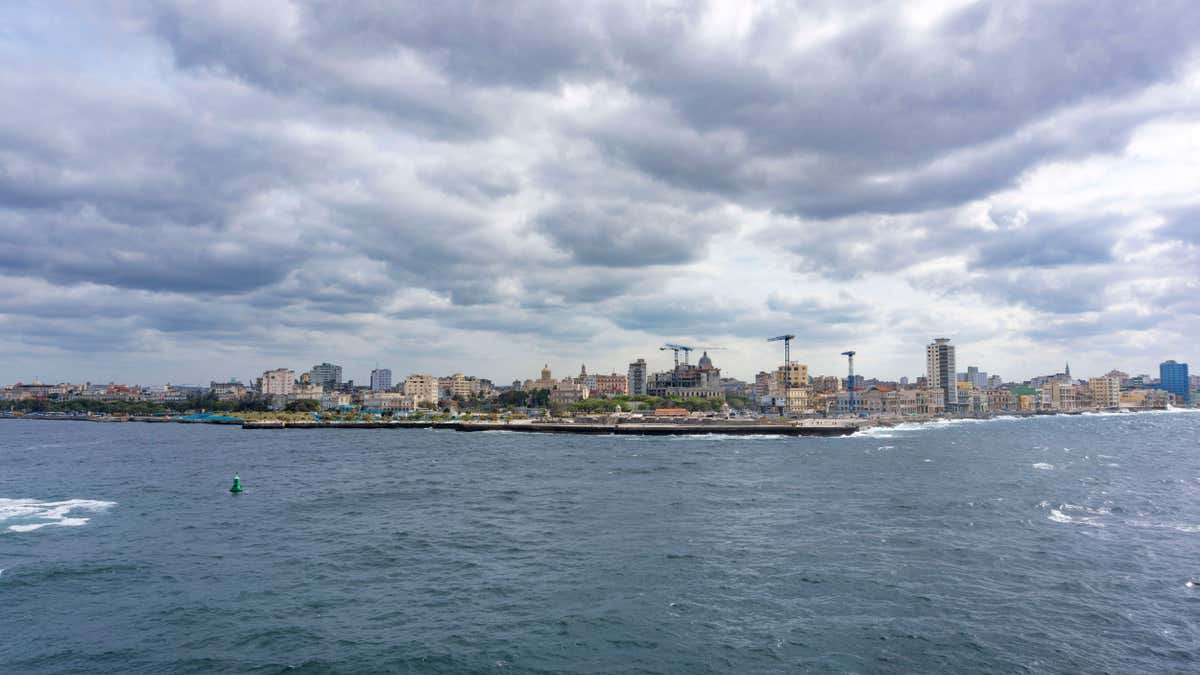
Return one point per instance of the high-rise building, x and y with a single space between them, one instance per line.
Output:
939 367
278 382
381 379
327 375
423 388
1173 377
639 377
1105 391
976 377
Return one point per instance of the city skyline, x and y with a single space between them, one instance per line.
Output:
208 192
952 370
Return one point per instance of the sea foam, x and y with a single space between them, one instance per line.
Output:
27 515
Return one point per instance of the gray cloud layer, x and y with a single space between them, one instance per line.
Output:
464 185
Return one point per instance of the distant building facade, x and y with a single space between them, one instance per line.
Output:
1105 391
639 377
939 368
326 375
1173 377
278 382
423 388
381 379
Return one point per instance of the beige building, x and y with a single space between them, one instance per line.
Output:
1106 391
544 381
791 383
1146 398
423 388
569 391
798 400
278 382
1058 396
455 385
389 400
826 384
310 391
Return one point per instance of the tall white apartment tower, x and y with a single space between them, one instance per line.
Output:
381 379
939 364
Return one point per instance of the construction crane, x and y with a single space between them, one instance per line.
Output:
850 380
685 349
676 348
787 347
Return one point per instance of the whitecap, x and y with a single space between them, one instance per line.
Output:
1043 466
28 515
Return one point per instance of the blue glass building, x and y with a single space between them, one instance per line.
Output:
1174 378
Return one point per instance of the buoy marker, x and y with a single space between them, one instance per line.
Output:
237 484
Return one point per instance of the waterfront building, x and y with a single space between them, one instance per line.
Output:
889 402
1146 398
423 388
1058 396
1173 377
381 379
639 376
335 400
1000 399
327 376
385 401
1105 391
939 368
278 382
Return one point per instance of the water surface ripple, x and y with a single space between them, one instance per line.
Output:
1049 544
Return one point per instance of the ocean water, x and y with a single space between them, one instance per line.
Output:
1047 544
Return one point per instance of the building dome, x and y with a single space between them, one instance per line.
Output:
705 362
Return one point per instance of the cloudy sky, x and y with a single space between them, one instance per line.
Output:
203 190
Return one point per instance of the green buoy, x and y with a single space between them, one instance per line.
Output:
237 484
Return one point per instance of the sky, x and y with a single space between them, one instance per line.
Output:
196 191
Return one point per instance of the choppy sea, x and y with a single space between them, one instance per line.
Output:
1046 544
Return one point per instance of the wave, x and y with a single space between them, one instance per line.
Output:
27 515
1043 466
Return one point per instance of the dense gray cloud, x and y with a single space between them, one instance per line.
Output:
455 186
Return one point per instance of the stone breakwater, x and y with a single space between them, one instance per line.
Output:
805 428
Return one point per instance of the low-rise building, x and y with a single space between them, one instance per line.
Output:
334 400
569 391
385 401
228 391
610 385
